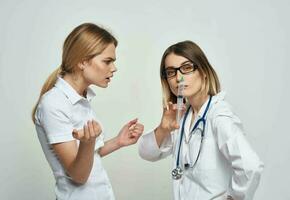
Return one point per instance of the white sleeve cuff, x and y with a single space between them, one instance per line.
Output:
149 149
53 139
99 142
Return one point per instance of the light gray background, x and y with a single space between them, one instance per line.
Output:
246 41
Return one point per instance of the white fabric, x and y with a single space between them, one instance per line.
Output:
227 164
60 111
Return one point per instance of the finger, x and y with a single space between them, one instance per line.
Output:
140 126
176 125
183 110
78 134
86 132
132 127
172 106
91 129
134 121
139 129
75 134
97 128
183 107
137 134
165 107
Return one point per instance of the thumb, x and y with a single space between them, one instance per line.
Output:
176 125
77 134
183 110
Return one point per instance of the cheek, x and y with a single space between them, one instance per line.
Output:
196 83
172 87
90 74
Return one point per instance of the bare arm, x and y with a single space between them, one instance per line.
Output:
109 147
128 135
78 161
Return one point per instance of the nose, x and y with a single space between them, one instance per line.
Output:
178 76
113 68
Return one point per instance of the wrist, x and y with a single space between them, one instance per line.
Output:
162 130
117 143
88 143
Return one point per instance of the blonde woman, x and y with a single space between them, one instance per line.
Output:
70 135
211 156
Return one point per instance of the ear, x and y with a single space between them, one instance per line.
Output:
82 65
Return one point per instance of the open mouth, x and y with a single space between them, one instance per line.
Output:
109 78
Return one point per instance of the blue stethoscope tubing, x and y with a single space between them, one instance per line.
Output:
201 120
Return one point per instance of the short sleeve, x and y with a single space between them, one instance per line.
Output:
55 121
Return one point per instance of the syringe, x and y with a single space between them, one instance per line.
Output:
179 99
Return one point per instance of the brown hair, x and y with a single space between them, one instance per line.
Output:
193 53
82 44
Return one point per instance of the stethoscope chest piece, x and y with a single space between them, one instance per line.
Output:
177 173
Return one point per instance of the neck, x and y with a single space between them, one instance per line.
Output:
197 101
77 82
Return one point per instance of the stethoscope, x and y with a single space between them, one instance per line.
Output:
178 172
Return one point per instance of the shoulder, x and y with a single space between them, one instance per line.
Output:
54 98
220 107
53 102
222 114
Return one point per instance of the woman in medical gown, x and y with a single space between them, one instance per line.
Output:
212 158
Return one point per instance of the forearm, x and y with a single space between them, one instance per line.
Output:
109 147
245 188
81 168
246 166
160 135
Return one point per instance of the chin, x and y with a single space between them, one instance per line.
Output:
104 86
101 85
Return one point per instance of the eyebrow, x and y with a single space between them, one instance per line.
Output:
180 65
110 58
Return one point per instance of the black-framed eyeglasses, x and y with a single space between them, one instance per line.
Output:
185 68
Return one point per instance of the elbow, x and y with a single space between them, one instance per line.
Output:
255 170
79 180
147 155
259 167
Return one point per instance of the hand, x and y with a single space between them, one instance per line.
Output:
224 196
168 121
229 197
89 133
130 133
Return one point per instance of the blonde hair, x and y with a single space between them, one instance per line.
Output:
193 53
82 44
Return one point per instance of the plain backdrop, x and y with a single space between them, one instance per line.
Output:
246 41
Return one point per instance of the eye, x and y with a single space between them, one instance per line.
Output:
107 62
170 72
187 68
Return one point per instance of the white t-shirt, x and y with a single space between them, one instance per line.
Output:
227 164
61 110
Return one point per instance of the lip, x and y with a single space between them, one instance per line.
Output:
109 78
185 86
